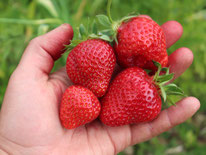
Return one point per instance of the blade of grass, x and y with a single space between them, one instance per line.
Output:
95 5
57 8
80 10
31 14
65 11
31 22
50 6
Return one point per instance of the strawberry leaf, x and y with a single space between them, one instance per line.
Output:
157 64
166 70
173 89
148 71
165 78
73 44
103 37
163 94
175 93
104 20
161 80
93 36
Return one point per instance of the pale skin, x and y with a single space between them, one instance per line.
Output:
29 118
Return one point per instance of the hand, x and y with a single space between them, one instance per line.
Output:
29 118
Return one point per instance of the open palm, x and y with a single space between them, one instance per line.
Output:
29 118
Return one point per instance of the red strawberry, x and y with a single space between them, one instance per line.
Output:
91 64
131 98
134 97
138 40
141 40
78 107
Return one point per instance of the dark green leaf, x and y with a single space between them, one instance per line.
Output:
175 93
104 20
164 78
173 88
157 64
166 70
148 71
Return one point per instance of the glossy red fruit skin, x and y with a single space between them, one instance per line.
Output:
91 64
141 40
131 98
78 107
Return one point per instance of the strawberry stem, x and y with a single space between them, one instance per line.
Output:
111 26
108 10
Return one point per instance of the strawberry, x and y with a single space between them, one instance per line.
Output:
135 97
91 64
140 40
78 107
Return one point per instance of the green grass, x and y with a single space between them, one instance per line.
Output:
22 20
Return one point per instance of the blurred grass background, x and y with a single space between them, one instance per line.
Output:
22 20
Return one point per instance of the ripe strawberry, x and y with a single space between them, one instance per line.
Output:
91 64
138 40
141 40
134 97
78 107
131 98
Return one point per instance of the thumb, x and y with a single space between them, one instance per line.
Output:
42 51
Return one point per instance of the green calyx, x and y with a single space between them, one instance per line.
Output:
109 33
83 34
162 80
110 25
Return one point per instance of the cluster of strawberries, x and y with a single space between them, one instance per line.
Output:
133 95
